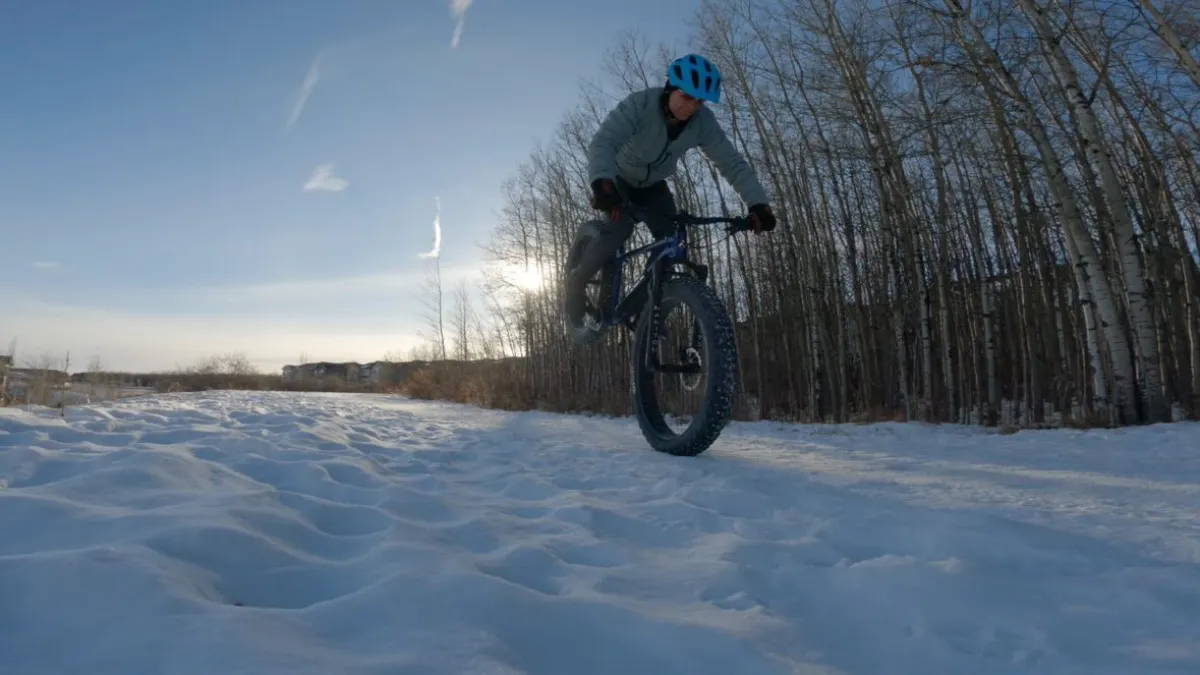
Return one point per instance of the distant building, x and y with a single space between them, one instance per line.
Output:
318 370
374 374
5 367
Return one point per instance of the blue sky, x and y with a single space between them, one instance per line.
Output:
153 163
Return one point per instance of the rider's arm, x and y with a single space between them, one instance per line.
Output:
733 166
618 126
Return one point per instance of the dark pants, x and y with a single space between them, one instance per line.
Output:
658 205
657 201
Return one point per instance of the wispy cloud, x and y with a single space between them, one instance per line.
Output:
322 179
437 232
458 9
306 89
45 265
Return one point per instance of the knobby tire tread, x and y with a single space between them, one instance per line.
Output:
721 387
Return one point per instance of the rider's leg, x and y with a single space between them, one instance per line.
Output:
599 251
659 206
658 203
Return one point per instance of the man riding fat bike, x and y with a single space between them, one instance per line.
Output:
639 145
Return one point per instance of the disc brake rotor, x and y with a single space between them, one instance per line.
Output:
692 358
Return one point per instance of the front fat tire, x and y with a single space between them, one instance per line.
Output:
721 362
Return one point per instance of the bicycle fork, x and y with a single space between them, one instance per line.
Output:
653 312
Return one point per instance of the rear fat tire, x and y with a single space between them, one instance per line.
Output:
719 358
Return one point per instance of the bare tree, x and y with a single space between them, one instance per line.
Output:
989 212
431 299
463 323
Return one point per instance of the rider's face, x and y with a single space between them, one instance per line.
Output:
683 106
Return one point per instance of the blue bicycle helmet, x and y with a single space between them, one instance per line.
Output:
696 76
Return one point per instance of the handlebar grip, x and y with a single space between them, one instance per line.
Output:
741 225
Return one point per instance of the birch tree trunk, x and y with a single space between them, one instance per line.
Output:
1089 260
1141 309
1167 32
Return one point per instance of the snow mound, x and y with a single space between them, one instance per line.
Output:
270 532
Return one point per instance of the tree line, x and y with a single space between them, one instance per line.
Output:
989 212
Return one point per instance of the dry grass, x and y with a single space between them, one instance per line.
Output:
505 386
496 384
38 381
489 384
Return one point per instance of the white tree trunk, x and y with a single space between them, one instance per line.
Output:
1169 36
1141 313
1099 402
1068 210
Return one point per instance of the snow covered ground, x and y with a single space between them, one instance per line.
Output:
329 533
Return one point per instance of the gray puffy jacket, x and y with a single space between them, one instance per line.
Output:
632 142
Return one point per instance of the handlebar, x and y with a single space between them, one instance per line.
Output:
734 224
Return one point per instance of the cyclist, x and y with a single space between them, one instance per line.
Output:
638 146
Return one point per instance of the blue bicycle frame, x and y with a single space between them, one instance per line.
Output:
668 250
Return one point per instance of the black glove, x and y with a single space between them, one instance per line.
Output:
762 220
604 195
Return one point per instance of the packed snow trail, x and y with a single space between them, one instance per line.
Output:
327 533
